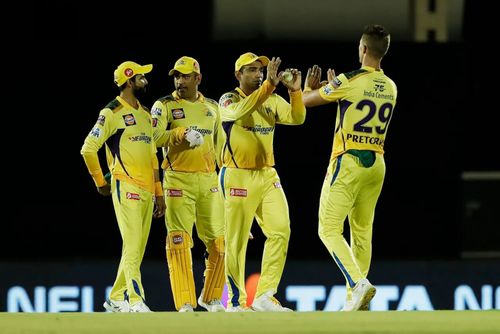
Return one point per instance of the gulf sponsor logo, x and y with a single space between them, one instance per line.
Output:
239 192
227 102
178 113
277 184
133 196
129 119
174 192
155 122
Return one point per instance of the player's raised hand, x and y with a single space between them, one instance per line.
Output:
313 77
272 71
332 78
291 79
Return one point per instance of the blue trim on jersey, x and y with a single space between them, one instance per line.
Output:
228 126
236 293
118 190
221 180
346 274
343 106
337 169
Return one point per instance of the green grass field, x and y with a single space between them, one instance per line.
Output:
298 322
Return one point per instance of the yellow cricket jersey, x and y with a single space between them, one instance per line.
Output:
366 98
172 115
249 123
131 151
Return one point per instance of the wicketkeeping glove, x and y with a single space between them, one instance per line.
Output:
194 138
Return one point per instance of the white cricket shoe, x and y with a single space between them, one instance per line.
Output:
116 305
362 293
139 307
186 308
215 305
239 308
347 306
267 302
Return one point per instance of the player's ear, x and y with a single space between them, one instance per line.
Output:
237 75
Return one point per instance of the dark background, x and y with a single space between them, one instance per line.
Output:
444 124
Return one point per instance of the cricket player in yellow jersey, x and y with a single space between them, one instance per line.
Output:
125 127
187 125
366 99
249 181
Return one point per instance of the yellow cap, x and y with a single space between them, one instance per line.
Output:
185 65
128 69
248 58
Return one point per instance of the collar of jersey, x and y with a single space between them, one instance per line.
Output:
371 69
200 97
240 92
125 103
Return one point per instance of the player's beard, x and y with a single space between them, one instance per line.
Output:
139 92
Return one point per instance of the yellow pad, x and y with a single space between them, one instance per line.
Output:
214 271
180 267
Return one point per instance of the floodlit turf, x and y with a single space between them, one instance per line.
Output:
417 322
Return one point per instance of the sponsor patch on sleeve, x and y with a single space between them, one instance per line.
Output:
327 89
156 111
336 82
227 100
95 132
277 184
155 122
101 119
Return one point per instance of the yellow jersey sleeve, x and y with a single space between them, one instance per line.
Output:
233 108
293 113
93 142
